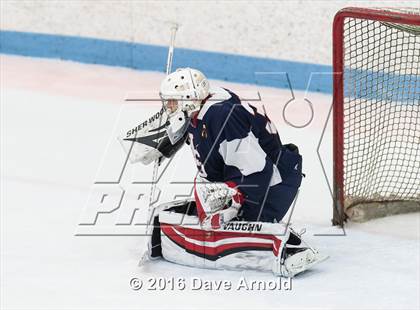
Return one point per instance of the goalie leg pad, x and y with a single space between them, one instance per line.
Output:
235 246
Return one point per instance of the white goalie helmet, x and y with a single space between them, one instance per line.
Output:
185 88
182 93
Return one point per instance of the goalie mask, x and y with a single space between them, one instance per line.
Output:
182 93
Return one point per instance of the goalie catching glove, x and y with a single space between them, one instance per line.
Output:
217 203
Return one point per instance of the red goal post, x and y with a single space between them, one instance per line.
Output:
376 64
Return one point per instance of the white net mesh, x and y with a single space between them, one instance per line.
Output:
381 115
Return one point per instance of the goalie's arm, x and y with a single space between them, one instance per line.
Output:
167 149
151 141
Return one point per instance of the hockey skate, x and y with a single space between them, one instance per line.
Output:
296 259
297 263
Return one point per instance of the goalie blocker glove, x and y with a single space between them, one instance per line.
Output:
217 203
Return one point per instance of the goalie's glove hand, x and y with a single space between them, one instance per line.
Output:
217 203
220 195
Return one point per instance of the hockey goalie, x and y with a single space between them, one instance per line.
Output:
246 182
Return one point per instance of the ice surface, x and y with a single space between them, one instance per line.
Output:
59 121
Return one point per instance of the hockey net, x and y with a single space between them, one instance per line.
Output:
376 113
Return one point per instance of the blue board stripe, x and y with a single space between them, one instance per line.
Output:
220 66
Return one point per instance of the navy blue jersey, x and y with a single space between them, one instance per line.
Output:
232 142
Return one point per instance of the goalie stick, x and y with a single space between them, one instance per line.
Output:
151 208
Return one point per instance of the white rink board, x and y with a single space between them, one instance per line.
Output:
288 30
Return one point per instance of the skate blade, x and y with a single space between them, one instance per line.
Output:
319 259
